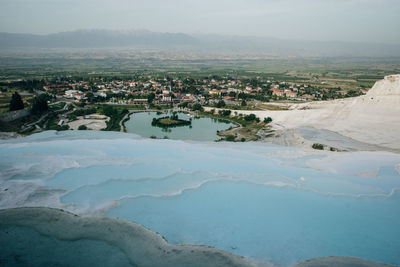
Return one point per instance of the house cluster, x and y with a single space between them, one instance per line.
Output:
291 91
174 91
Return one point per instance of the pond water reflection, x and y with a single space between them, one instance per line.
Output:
201 128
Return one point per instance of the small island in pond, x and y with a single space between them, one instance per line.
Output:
170 121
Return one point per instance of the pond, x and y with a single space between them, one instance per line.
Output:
201 128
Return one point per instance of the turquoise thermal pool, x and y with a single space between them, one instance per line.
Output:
260 201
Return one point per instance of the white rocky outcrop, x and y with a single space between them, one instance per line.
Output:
389 86
373 118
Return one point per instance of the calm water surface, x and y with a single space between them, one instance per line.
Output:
202 129
253 199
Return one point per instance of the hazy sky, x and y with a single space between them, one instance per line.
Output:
348 20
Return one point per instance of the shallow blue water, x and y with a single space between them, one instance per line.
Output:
256 200
283 225
23 246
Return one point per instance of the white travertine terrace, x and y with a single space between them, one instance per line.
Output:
373 118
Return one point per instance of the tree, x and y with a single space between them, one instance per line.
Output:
89 96
197 106
243 104
267 119
150 98
16 102
224 112
221 104
183 105
40 104
110 111
242 95
250 117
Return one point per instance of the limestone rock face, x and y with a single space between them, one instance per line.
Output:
375 117
384 96
372 119
390 86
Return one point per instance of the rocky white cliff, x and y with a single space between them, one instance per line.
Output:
373 118
390 86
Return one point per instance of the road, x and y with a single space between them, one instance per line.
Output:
121 127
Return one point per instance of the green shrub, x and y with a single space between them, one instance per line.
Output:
183 105
72 117
225 113
230 138
197 106
267 119
83 112
221 104
251 117
318 146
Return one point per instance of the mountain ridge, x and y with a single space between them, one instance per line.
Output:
100 38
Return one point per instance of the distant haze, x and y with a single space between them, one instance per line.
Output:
373 21
200 43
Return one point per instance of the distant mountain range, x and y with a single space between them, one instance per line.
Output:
94 39
198 43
